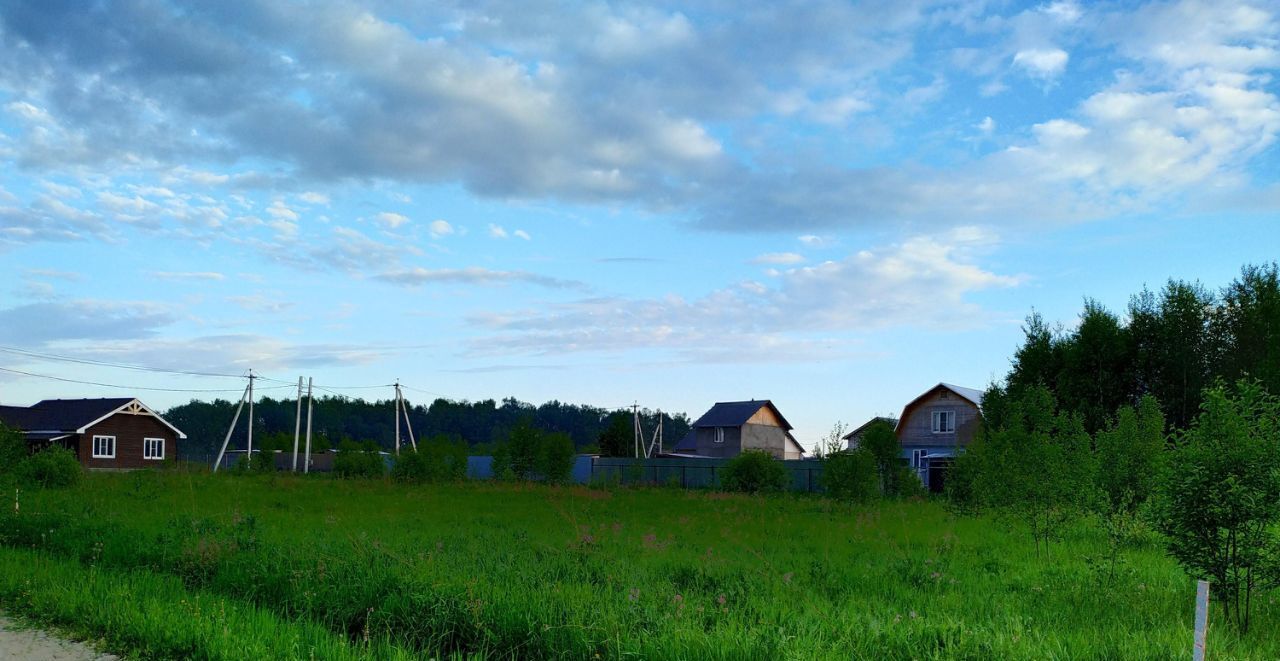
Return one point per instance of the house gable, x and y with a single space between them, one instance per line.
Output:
943 416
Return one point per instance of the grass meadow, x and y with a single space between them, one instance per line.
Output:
176 564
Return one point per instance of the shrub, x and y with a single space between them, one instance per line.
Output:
13 448
851 475
357 460
1219 502
439 459
754 471
55 466
555 458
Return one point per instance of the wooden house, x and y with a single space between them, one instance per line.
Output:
854 438
935 427
112 433
729 428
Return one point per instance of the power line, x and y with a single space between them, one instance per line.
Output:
104 363
114 385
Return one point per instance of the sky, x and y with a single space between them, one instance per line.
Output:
831 205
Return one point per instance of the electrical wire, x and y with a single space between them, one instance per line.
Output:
104 363
114 385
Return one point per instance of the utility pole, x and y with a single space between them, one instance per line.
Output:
397 404
408 425
232 428
250 447
297 426
638 433
306 465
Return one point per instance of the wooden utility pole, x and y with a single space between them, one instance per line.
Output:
306 465
250 444
232 428
397 406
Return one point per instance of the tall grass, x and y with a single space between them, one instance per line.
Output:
526 571
147 616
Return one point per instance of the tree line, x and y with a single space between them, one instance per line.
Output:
483 425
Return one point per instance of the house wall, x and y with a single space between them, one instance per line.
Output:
765 416
129 430
707 447
770 438
916 428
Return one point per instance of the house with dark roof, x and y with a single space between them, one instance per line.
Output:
854 438
729 428
935 427
110 433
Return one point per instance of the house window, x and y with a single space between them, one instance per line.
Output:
153 448
719 435
917 458
944 422
104 447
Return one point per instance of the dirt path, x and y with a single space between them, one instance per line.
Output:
17 642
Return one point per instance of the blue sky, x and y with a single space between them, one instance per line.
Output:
832 205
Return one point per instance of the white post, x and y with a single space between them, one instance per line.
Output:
397 418
1202 620
230 429
306 460
297 426
250 444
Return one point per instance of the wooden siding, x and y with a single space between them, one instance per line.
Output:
916 427
765 416
129 430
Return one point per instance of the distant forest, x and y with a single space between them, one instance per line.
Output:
1171 344
480 424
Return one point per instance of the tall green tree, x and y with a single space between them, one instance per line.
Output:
1098 366
881 441
1130 455
1247 327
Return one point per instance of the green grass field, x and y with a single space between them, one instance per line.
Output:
300 568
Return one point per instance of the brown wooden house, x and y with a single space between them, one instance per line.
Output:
729 428
111 433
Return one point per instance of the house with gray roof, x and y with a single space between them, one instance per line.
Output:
729 428
108 433
935 427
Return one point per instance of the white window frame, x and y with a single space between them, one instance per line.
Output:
719 438
146 445
917 458
105 438
949 416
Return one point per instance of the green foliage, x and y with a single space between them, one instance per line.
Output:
440 459
358 460
754 471
1174 343
216 568
1037 466
881 441
484 421
555 458
13 449
52 467
851 475
1129 455
1219 503
617 439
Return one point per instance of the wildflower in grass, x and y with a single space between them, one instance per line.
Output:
786 578
634 595
914 615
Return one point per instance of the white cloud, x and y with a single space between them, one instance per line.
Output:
497 232
188 275
1042 63
895 286
391 220
1063 11
521 234
779 258
314 198
474 276
987 126
440 229
281 211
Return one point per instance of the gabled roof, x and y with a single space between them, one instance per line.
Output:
735 414
73 415
688 443
893 422
972 394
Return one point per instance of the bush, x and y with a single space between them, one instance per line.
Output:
555 458
754 471
440 459
13 449
52 467
851 476
1219 501
357 460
